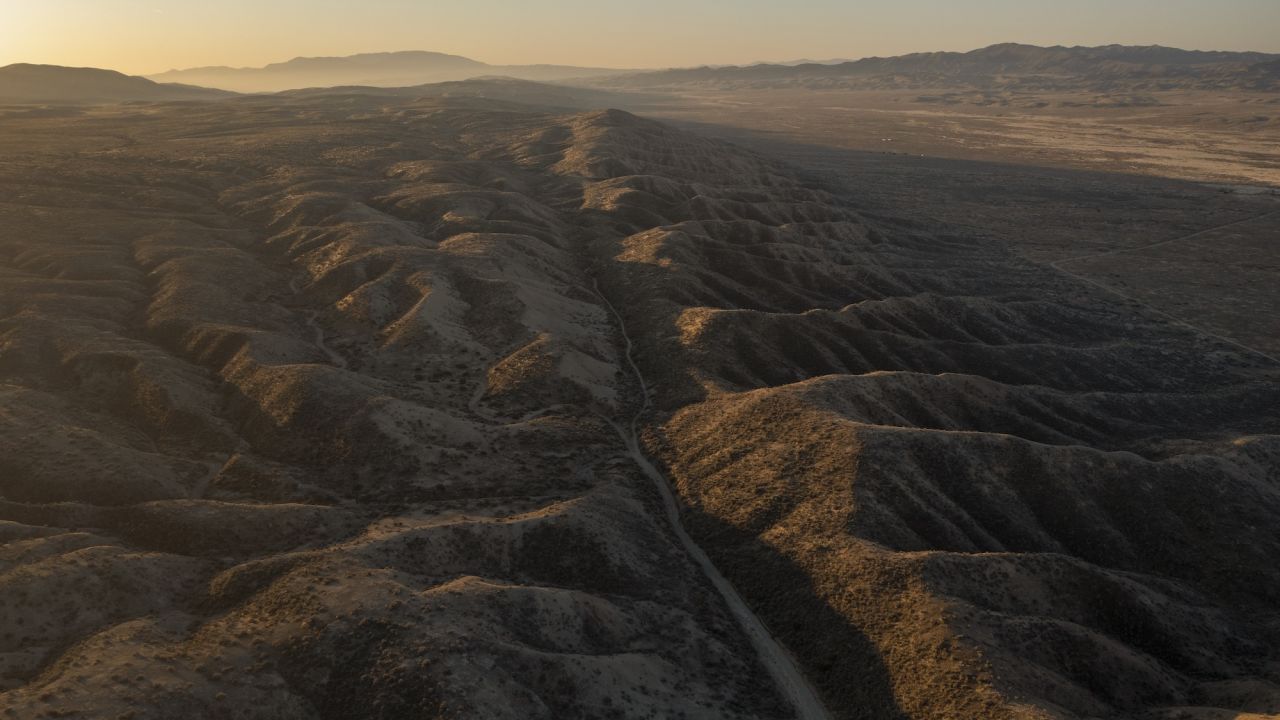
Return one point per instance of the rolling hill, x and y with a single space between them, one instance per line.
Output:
524 94
56 84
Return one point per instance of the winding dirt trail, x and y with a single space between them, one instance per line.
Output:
780 664
1057 265
318 335
777 660
335 358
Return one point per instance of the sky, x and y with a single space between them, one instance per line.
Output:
150 36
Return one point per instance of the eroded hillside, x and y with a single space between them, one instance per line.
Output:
318 407
960 484
307 414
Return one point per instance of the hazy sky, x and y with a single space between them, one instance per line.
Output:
146 36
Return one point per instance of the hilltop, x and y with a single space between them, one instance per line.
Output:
54 83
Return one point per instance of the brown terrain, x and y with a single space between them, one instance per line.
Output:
1226 137
436 404
1172 203
309 412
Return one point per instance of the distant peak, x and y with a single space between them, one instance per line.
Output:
51 69
613 117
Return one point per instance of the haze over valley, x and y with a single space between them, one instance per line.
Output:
396 69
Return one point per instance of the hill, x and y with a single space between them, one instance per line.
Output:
53 83
393 69
339 405
489 91
1006 66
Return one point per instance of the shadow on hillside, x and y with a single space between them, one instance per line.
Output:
842 662
841 168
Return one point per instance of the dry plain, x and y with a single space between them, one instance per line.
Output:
1168 198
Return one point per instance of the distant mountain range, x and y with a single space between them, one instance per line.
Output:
395 69
1006 66
23 83
999 67
802 61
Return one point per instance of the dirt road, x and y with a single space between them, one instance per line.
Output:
777 660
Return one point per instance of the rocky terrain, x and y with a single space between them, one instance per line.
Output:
959 483
309 412
353 405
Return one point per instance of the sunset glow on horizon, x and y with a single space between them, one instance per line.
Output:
151 36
